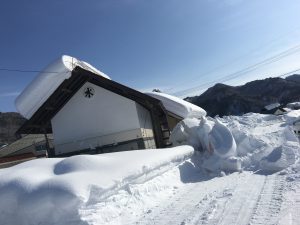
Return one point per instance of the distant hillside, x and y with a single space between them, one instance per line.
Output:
223 99
9 123
295 77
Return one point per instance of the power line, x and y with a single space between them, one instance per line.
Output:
205 74
25 71
286 74
244 71
36 71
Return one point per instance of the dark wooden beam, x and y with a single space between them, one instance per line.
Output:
66 90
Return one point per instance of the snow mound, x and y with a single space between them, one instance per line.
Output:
279 159
41 88
292 116
51 191
211 137
222 140
293 105
264 142
251 142
205 135
178 106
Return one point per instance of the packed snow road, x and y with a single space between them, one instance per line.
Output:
203 198
240 198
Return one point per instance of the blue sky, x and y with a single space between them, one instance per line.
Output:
181 47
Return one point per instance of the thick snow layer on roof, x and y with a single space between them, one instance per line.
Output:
41 88
178 106
272 106
51 191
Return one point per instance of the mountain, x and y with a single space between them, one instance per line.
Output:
294 77
223 99
9 123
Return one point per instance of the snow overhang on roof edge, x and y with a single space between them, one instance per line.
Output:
178 106
47 81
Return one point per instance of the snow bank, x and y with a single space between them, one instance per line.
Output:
51 191
41 88
293 105
280 158
292 116
208 136
252 142
178 106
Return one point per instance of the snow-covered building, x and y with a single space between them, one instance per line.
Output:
87 112
274 108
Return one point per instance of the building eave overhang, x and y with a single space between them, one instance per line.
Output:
40 122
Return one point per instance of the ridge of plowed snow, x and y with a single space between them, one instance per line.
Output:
56 188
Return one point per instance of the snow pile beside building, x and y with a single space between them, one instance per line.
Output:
292 117
250 142
293 105
178 106
51 191
212 138
41 88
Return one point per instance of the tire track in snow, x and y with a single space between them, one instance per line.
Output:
236 207
196 199
269 203
290 208
175 209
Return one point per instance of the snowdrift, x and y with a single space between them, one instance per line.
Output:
43 86
178 106
255 142
51 191
108 188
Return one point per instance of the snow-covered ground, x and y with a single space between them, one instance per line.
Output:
244 170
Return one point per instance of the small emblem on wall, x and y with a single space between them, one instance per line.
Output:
89 92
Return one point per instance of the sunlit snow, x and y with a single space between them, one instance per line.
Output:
239 170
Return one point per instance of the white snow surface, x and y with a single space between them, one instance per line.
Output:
293 105
272 106
47 81
56 188
244 170
178 106
250 142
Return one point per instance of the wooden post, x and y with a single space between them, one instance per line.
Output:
50 152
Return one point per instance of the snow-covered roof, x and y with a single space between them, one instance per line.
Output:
178 106
272 106
47 81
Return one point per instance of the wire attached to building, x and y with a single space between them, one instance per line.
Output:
26 71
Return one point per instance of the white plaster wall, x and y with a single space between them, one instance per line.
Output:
144 117
104 113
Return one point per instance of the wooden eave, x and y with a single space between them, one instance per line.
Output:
40 122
